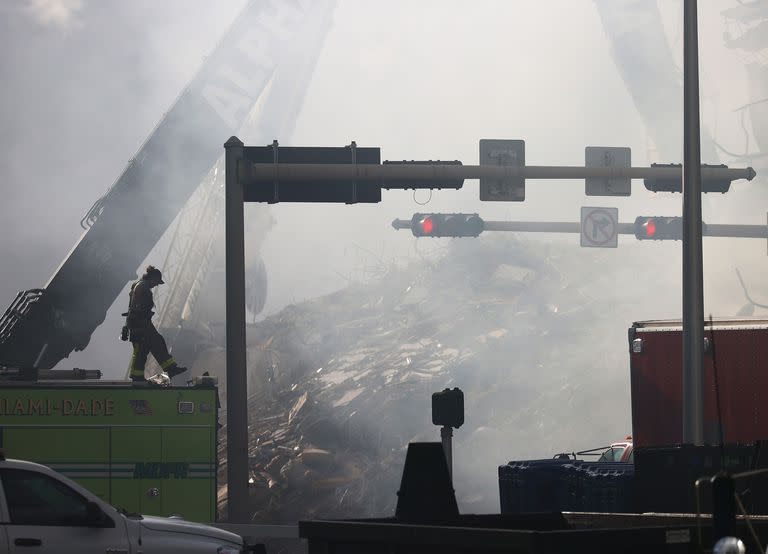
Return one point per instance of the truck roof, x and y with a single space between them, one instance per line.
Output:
721 323
93 384
23 464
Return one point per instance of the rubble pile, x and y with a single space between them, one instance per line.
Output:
340 384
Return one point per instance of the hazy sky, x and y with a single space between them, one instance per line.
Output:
84 82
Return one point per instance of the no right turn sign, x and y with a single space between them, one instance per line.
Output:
599 227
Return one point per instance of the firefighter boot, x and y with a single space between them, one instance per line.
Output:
175 370
138 377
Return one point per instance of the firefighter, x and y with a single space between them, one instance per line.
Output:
142 332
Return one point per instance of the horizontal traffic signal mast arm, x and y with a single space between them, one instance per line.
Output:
528 226
397 175
547 226
742 231
708 230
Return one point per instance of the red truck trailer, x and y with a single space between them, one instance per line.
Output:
735 369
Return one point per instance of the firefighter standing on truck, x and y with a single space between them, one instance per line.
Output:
142 332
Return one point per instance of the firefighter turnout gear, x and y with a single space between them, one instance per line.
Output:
143 335
149 341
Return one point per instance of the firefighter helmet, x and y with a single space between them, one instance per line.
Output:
153 273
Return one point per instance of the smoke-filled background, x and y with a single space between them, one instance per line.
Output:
84 83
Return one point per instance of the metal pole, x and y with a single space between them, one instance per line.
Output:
394 175
693 282
723 505
237 382
739 231
709 230
446 434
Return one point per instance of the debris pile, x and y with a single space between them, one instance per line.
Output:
340 384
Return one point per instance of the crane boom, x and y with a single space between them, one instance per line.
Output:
200 230
43 326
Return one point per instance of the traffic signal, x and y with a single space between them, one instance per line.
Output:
659 228
318 191
675 184
446 225
448 408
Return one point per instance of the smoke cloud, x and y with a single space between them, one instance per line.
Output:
62 14
85 82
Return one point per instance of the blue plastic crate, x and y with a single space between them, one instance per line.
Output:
554 485
537 486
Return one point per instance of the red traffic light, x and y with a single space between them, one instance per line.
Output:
446 225
659 228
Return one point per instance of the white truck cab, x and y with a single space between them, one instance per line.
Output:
43 512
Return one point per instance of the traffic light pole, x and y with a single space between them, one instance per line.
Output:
395 175
236 370
693 280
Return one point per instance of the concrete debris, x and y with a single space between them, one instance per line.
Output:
340 384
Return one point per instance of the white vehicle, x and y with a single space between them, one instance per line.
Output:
43 512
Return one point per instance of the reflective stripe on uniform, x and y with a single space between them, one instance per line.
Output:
135 371
167 363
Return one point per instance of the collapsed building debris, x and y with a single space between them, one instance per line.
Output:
339 385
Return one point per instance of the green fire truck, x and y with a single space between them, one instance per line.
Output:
147 450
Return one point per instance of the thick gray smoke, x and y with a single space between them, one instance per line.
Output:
340 384
55 13
79 99
84 82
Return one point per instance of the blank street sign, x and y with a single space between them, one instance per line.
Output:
603 156
599 227
507 153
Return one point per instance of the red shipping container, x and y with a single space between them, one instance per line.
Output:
741 359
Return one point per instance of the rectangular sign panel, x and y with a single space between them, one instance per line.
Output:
506 153
603 156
